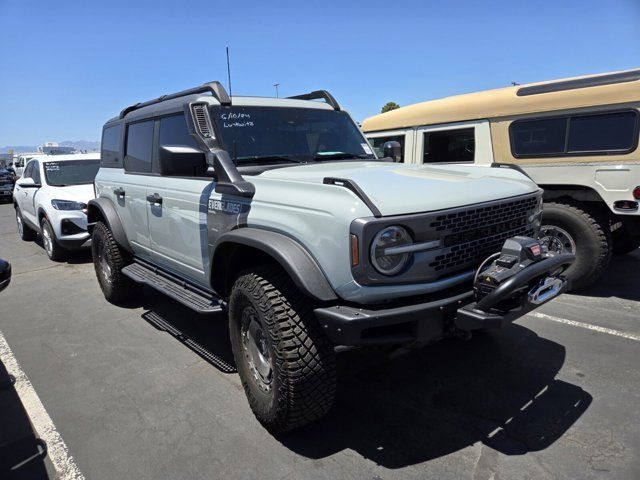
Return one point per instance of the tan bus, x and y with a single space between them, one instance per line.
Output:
577 138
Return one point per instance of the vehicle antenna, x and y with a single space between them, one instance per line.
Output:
228 71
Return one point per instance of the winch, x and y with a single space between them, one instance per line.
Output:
520 277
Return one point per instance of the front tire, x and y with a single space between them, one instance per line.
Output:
285 362
566 228
108 261
26 233
54 251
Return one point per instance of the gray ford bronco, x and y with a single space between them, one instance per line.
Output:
278 212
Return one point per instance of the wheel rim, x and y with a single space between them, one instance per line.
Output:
19 222
105 268
255 347
556 239
46 239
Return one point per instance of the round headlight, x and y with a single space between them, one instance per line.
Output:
384 261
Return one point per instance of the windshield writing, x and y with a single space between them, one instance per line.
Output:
254 134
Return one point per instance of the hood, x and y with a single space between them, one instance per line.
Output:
78 193
400 189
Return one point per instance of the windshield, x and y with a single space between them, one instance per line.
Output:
71 172
261 134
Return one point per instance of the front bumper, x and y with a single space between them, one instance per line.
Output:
71 231
434 317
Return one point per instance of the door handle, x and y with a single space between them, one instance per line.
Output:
118 192
154 199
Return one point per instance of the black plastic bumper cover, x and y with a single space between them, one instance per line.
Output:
350 325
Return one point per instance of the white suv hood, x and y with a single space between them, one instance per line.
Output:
78 193
400 189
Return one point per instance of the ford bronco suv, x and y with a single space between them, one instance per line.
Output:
278 212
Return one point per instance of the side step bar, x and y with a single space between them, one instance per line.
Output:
189 295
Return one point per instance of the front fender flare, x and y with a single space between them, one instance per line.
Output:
103 209
289 254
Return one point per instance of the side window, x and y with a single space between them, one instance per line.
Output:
454 146
378 144
27 171
139 149
35 171
174 132
601 133
110 149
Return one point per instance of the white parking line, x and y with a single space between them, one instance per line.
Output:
595 328
56 448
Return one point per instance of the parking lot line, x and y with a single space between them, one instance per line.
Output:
595 328
56 448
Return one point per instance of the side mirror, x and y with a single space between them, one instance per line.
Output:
393 149
5 274
28 183
182 160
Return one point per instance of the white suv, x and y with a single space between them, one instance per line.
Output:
51 199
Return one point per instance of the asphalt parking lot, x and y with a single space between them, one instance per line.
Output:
149 391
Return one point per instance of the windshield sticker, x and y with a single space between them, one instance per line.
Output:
236 120
51 167
366 148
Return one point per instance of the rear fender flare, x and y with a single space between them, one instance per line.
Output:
103 209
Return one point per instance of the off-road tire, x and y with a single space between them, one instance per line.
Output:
624 243
303 379
115 286
27 234
592 240
56 252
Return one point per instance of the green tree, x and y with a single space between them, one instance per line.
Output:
389 106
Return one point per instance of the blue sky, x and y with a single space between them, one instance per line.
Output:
68 66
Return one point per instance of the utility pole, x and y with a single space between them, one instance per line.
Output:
277 93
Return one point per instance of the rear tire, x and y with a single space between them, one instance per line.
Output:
565 228
108 260
285 362
54 250
26 233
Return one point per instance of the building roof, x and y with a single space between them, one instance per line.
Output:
589 90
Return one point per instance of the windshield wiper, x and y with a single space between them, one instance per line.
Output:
269 158
339 156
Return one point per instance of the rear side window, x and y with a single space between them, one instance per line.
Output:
449 146
602 133
378 144
28 170
139 151
110 150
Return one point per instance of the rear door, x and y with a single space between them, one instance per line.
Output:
178 221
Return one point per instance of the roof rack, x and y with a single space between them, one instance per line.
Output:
215 88
595 81
319 94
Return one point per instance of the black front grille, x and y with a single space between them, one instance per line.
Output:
472 235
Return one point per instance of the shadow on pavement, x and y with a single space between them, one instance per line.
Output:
207 335
620 280
73 257
498 389
22 453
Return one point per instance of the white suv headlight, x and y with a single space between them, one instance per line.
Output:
383 257
68 205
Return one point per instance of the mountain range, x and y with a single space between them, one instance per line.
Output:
89 146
